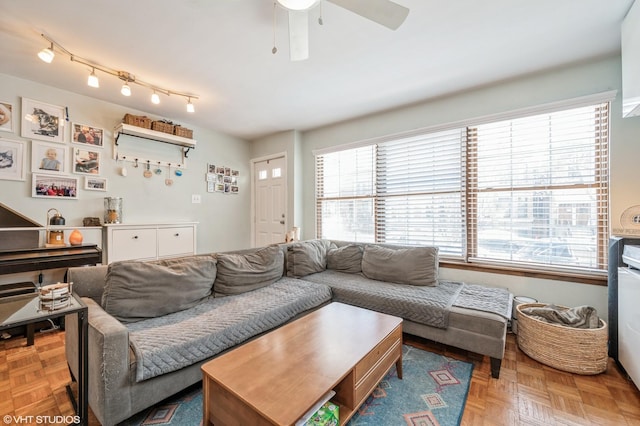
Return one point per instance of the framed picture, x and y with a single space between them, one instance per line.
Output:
52 186
6 117
86 161
211 168
211 186
42 121
49 158
95 183
12 159
87 135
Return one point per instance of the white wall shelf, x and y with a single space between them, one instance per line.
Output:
123 129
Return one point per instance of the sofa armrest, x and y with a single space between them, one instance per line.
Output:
109 358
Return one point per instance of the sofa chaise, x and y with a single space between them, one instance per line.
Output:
153 324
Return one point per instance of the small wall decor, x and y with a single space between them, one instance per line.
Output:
95 183
222 179
12 159
87 135
52 186
86 161
42 121
6 117
50 158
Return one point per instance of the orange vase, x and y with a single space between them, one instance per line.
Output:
75 238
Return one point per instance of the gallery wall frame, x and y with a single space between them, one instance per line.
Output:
12 159
7 113
54 186
86 161
90 136
43 121
95 183
51 158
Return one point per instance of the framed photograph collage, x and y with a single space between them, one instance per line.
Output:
222 179
60 151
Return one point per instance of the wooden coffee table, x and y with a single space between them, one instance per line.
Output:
276 378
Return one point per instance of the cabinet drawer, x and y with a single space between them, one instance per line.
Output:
363 367
377 372
128 244
175 241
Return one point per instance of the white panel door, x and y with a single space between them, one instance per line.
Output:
270 179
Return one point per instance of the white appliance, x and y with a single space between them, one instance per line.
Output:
629 314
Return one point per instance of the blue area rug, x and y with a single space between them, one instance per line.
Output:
433 392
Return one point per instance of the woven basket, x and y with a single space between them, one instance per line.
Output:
183 131
576 350
137 120
161 126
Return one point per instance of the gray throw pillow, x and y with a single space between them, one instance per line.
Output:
307 257
345 259
239 273
136 290
415 265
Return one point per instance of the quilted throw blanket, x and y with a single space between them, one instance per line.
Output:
177 340
488 299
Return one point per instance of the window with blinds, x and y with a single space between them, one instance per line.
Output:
420 191
528 190
345 189
540 188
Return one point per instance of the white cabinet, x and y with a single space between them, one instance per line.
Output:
148 242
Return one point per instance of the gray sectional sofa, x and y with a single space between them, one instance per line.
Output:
153 324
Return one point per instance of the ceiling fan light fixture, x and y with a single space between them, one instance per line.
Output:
298 4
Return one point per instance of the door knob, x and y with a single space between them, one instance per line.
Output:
282 222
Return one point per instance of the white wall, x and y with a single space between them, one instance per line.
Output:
555 85
223 219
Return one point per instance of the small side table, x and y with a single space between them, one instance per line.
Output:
25 309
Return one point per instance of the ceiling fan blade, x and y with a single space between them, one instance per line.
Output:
298 35
384 12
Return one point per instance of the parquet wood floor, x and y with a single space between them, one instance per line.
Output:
33 379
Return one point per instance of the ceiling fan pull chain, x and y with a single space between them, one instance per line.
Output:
275 49
320 20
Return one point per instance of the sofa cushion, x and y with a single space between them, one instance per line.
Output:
414 265
239 273
136 290
345 259
307 257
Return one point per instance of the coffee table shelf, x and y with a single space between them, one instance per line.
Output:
276 378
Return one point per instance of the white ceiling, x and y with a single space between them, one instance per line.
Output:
220 50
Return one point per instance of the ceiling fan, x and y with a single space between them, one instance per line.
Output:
383 12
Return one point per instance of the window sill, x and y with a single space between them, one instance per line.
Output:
595 278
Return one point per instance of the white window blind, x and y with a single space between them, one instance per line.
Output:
540 188
345 189
421 192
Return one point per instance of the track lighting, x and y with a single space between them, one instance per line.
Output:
47 54
93 79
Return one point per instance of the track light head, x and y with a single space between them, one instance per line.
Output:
126 90
155 99
47 54
190 107
93 81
